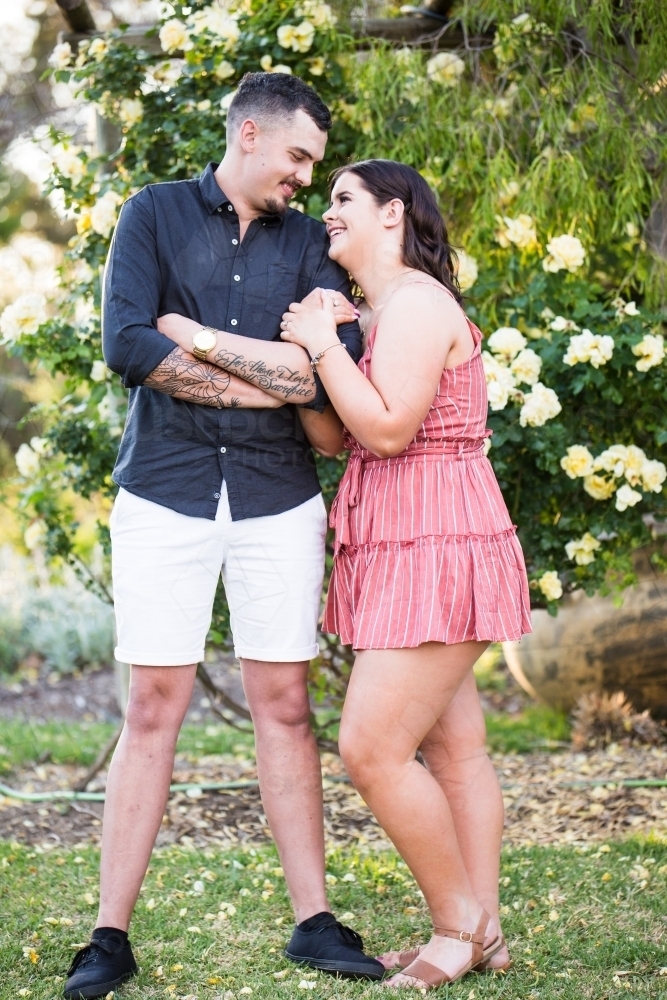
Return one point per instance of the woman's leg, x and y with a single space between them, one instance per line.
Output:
394 700
455 753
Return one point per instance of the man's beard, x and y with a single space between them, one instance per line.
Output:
275 207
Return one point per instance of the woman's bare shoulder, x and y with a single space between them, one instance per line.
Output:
422 299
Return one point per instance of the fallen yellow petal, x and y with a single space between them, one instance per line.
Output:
31 954
246 989
606 877
214 980
194 930
89 898
282 974
177 967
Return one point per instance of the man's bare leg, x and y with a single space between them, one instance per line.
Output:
288 765
138 785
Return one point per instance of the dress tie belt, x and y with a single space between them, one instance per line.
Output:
350 484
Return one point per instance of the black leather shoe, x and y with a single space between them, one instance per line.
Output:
100 967
333 948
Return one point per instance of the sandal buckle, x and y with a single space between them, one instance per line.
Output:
465 936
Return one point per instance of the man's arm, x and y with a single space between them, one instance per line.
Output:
284 375
133 346
180 375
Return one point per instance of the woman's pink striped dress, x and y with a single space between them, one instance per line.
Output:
425 548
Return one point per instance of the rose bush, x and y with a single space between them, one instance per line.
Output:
545 140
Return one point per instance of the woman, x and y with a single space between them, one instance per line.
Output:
428 569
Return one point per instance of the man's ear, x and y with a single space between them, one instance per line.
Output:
248 134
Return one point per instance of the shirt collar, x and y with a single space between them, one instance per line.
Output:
213 196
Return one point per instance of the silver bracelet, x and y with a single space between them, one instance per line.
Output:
314 362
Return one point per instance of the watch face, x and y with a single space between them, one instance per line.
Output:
204 340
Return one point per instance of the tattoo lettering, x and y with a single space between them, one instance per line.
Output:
281 379
183 377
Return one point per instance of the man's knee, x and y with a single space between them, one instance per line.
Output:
157 702
284 705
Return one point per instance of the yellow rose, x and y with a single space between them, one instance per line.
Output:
565 253
550 585
131 111
627 497
298 37
224 70
467 271
445 67
317 65
650 350
582 550
97 49
653 476
83 223
578 462
599 487
520 231
173 35
61 56
539 405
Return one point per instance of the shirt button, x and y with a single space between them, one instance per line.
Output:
223 450
235 242
219 208
234 322
237 277
216 496
230 208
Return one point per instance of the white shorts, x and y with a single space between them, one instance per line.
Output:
165 572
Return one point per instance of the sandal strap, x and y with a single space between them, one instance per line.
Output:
476 937
429 974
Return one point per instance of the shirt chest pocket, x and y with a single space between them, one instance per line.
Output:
282 282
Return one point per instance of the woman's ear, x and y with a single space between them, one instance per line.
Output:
393 213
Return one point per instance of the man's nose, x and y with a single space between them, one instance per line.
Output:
304 174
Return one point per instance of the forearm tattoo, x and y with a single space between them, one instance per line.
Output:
183 377
282 380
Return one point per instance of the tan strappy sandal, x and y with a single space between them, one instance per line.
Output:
484 964
432 976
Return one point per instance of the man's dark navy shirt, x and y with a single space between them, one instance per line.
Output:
177 249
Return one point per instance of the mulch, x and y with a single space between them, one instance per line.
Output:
543 803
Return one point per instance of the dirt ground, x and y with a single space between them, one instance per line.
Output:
543 803
549 797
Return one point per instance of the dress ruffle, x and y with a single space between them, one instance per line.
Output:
449 589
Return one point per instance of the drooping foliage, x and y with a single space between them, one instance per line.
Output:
543 132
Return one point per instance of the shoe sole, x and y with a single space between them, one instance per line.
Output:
348 970
99 990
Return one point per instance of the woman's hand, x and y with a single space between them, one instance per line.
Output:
344 311
312 323
178 328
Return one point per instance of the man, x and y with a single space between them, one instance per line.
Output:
216 474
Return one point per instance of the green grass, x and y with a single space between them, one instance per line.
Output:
79 743
535 728
573 918
23 742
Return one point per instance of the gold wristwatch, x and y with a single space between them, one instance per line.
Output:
203 342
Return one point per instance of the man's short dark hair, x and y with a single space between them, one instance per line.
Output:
272 97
